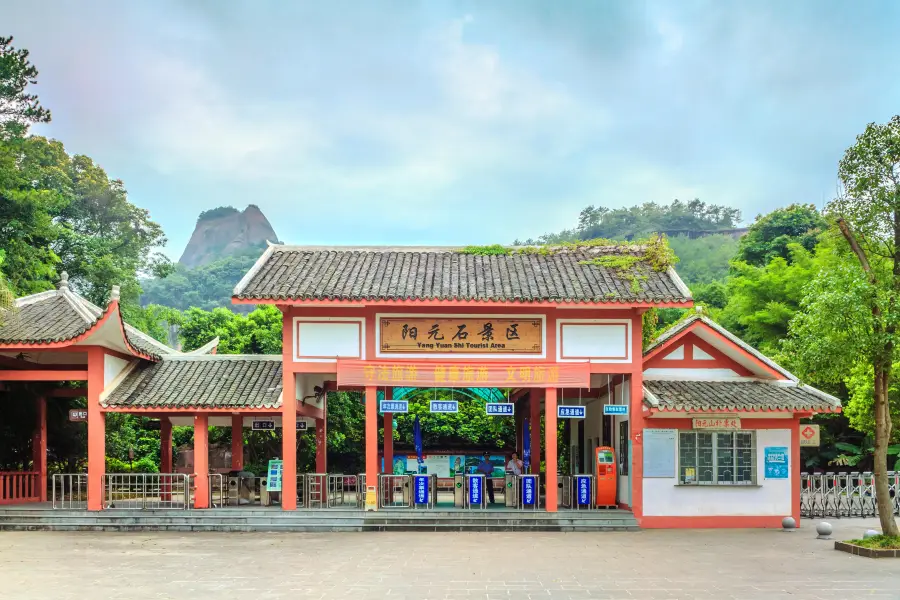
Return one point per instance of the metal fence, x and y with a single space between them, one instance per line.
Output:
147 490
844 494
68 490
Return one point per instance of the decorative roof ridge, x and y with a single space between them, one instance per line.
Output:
561 248
206 348
131 329
74 301
249 275
219 357
118 380
34 298
698 316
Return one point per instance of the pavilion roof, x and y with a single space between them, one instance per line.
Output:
412 273
200 381
741 396
61 315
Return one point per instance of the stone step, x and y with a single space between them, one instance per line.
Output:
300 528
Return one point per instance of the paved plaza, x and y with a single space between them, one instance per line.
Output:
712 564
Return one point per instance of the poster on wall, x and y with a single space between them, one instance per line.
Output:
659 453
776 461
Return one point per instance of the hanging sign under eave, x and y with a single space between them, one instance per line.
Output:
356 373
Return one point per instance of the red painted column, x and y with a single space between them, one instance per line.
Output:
288 415
389 443
39 447
165 456
321 446
535 424
795 470
371 436
201 461
96 442
636 419
237 442
552 466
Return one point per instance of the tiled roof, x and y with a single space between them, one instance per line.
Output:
201 381
50 318
703 396
372 273
61 315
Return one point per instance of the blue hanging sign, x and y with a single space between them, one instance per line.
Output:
776 462
263 425
615 409
500 409
393 406
475 489
570 412
420 489
444 406
583 490
528 491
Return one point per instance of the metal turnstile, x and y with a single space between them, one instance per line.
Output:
459 490
510 490
316 490
564 491
393 491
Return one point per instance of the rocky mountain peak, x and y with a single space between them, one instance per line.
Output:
226 231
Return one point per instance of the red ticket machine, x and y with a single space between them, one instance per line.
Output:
606 476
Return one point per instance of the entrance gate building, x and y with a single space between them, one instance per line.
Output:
548 325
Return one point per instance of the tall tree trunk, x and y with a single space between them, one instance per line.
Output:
882 439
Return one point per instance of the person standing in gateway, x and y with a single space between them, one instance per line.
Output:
514 465
486 468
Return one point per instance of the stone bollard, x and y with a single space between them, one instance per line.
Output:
824 530
870 533
788 524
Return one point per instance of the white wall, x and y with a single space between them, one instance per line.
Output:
112 366
771 497
322 339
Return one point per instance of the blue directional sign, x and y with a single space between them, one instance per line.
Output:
615 409
500 409
393 406
475 489
529 495
583 490
444 406
420 489
571 412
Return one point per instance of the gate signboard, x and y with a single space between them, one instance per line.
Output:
420 489
263 425
583 490
475 486
276 469
528 491
462 334
444 406
570 412
77 415
500 409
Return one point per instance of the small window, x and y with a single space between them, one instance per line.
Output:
717 458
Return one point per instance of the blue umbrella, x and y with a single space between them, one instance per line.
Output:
526 444
417 440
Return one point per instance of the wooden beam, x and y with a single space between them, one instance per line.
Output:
36 375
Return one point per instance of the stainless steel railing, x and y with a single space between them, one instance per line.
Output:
838 495
147 490
68 490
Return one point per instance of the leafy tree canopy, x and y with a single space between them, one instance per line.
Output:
770 234
18 109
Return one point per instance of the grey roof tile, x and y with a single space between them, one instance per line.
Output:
701 396
47 320
202 381
359 274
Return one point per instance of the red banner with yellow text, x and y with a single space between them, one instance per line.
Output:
352 373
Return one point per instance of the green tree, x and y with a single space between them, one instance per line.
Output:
851 312
771 234
705 259
18 109
256 333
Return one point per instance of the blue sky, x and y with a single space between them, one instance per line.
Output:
458 122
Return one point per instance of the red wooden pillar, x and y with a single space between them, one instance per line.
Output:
165 456
795 470
636 418
96 442
321 446
237 443
552 467
389 443
535 425
288 416
39 448
201 461
371 436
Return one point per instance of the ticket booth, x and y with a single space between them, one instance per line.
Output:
606 476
